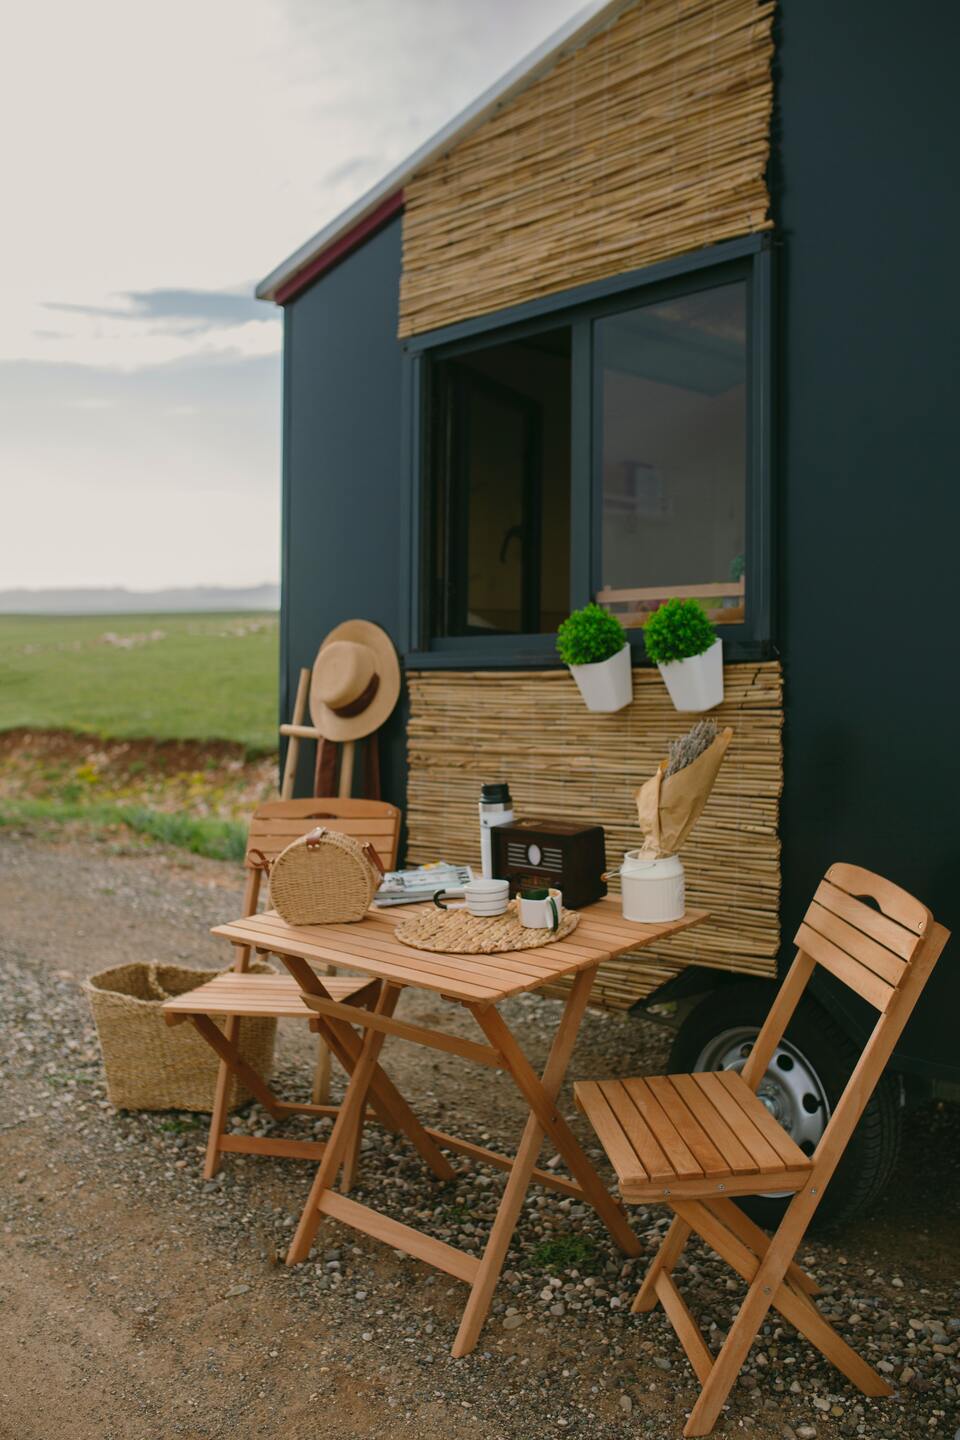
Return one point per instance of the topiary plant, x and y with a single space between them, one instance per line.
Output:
590 635
678 630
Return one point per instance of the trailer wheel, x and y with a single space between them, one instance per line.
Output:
804 1081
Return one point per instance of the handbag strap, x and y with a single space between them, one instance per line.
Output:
260 863
315 838
374 858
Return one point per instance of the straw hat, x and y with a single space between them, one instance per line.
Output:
356 681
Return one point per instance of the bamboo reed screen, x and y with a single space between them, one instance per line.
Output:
648 141
532 729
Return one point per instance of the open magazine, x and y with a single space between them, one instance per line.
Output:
406 887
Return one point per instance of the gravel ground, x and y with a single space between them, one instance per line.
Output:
140 1302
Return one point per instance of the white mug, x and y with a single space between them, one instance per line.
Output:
480 897
541 914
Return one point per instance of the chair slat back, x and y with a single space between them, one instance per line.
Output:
279 822
870 950
886 955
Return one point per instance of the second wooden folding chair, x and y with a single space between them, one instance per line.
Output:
693 1142
217 1008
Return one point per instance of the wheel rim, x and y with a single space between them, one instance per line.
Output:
791 1089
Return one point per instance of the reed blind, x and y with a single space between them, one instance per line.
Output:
648 141
532 730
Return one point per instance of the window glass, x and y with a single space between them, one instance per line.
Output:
673 453
499 447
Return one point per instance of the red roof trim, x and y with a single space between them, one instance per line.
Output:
338 251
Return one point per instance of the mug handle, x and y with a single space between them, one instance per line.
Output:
556 913
438 901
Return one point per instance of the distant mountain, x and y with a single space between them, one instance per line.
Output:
118 601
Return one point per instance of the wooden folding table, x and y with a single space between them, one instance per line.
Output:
478 983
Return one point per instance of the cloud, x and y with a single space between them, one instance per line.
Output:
200 309
161 152
152 327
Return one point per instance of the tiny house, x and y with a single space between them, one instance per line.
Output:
666 311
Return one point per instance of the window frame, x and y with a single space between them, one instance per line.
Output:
749 259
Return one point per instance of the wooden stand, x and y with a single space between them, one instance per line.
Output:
329 753
325 777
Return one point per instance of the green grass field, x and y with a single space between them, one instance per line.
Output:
161 677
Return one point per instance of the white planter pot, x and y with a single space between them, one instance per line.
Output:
607 685
696 683
652 891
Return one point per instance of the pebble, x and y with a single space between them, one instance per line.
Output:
580 1347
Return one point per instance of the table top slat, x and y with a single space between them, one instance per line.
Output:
371 947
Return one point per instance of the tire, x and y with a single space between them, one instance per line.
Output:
804 1082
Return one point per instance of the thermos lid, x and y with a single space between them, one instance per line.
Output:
495 794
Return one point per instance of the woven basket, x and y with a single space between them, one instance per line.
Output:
324 878
151 1065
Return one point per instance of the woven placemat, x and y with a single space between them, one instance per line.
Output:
457 932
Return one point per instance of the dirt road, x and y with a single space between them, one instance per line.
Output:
136 1301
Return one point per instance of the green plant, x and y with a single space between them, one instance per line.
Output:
678 630
568 1252
589 636
201 834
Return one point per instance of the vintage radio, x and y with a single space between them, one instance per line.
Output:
552 852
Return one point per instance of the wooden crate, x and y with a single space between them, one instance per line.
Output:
532 729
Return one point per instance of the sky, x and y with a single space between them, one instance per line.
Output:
156 161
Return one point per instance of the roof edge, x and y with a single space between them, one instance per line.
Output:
292 274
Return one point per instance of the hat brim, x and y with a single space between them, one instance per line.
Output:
353 727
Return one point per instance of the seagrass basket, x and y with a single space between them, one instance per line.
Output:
151 1065
324 878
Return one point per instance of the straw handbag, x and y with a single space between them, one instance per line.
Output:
324 878
148 1064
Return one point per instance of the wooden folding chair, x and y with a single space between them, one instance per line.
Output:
228 997
693 1142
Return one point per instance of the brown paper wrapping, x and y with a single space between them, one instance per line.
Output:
668 809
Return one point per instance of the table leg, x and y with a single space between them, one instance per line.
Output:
345 1126
384 1095
475 1311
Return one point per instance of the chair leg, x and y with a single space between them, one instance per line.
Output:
218 1118
729 1362
758 1240
671 1248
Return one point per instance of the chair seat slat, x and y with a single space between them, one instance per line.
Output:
787 1148
739 1160
765 1158
708 1156
682 1159
638 1132
610 1133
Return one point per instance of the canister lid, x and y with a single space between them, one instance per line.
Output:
498 794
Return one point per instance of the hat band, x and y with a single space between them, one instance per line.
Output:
357 707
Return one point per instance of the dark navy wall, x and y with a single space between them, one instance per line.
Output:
866 204
342 490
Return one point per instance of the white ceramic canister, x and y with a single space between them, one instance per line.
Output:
652 890
496 808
